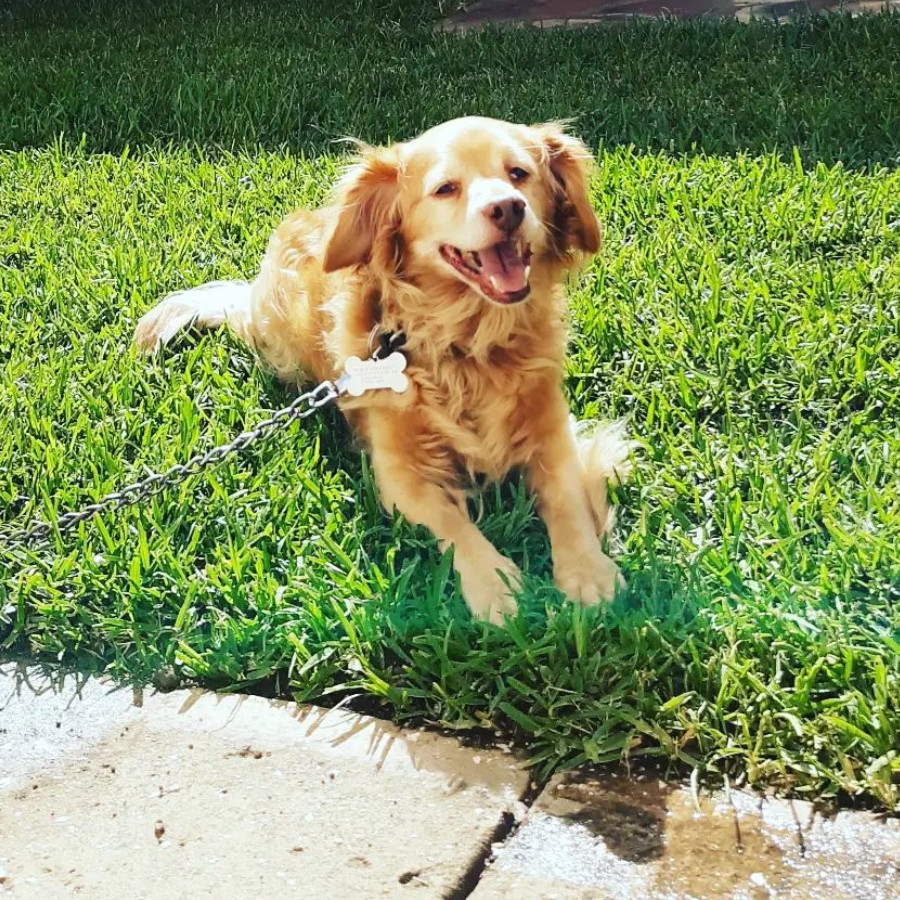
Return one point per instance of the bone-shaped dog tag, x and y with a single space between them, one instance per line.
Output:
361 375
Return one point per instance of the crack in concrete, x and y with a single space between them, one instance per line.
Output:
505 830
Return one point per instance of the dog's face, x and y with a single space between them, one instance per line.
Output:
474 200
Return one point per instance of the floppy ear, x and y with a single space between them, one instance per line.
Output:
570 165
367 205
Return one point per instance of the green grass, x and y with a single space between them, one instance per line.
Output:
745 317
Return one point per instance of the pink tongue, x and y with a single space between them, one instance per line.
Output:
504 264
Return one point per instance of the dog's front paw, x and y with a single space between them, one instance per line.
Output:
587 575
489 584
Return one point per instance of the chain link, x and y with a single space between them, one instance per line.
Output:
304 405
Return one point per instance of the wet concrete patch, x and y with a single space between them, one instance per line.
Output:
641 840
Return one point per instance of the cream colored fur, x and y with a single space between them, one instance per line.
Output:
486 376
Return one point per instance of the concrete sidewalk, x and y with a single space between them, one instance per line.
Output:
193 793
616 839
574 13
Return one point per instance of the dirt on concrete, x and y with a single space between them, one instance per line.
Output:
615 838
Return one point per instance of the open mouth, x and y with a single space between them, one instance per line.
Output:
500 271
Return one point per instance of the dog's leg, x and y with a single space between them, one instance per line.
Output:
421 490
208 306
276 315
570 483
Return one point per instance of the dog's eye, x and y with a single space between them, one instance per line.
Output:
517 173
447 189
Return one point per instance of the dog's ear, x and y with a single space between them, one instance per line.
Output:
367 201
570 164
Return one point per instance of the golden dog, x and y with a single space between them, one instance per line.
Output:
460 239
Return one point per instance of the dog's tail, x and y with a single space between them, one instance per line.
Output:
208 306
605 456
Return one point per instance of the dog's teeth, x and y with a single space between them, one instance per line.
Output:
527 273
495 285
476 259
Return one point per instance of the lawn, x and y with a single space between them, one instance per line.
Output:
744 316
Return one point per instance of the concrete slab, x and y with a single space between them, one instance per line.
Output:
197 794
580 13
615 839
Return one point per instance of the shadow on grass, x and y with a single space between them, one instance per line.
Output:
244 74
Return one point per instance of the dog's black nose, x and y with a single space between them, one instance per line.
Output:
507 215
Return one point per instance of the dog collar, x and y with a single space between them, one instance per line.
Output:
388 342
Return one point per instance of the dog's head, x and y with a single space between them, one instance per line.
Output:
474 200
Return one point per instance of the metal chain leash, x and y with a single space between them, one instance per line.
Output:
304 405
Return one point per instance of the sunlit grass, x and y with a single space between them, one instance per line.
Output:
744 316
